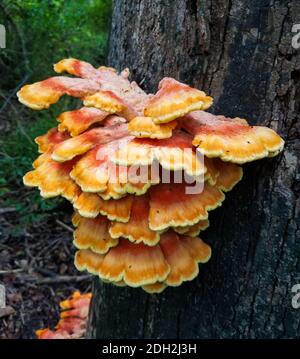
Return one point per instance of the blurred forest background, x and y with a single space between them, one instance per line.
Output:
34 246
39 34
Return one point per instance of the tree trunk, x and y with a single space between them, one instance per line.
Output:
239 52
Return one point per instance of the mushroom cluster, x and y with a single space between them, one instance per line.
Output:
73 318
141 171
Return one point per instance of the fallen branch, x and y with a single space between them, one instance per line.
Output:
7 210
65 226
9 271
61 279
4 312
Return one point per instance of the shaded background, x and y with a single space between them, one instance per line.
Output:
36 254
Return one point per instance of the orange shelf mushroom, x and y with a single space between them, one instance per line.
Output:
73 318
231 139
170 205
92 233
146 127
171 262
142 171
77 121
174 153
174 100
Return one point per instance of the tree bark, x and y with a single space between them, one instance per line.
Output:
241 53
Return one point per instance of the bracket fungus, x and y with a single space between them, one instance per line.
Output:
73 318
126 159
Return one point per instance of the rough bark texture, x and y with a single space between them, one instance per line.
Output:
239 52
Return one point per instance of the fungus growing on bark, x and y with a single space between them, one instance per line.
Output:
53 179
92 233
146 127
77 121
141 170
170 205
96 173
183 255
75 146
231 139
193 230
50 139
174 153
174 99
171 262
90 205
135 264
137 228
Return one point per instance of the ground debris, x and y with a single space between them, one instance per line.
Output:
37 270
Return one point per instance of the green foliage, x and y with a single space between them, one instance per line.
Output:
40 33
18 151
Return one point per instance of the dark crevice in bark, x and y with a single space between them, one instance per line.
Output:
193 5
